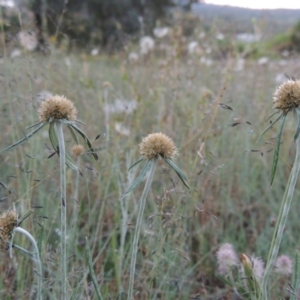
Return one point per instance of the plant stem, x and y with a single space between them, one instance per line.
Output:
281 220
63 225
37 259
75 196
138 226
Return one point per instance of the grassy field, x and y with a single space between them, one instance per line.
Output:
214 113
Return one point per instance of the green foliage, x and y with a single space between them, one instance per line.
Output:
228 170
295 37
105 22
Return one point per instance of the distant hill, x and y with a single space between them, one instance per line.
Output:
238 20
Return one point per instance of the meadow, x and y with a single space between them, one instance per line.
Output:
214 112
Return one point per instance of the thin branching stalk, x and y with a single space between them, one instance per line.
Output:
281 220
138 226
62 164
36 258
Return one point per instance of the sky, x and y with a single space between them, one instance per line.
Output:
259 4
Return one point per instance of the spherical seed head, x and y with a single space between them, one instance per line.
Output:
157 144
57 107
284 265
227 258
8 222
287 95
77 150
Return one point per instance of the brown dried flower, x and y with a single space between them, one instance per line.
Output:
77 150
8 222
57 107
287 95
157 144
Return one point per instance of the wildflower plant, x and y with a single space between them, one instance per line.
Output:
57 111
253 269
243 274
9 225
152 147
286 99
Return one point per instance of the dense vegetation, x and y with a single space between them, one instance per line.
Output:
212 105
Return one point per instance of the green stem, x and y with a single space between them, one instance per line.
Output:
63 225
75 196
138 226
37 259
281 220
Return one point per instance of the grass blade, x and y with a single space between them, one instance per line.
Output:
272 124
91 269
26 138
277 148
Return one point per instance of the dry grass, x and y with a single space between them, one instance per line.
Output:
214 114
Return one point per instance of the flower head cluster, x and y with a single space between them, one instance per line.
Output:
57 107
153 146
284 265
147 44
227 258
287 95
157 144
77 150
8 222
258 267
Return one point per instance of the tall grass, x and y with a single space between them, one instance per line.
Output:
230 201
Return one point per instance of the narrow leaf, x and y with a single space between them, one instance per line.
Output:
175 168
271 115
91 269
298 126
84 136
272 124
26 138
35 124
70 163
180 174
73 134
277 147
134 164
140 177
52 136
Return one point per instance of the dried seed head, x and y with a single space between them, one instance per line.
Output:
284 265
287 95
8 222
77 150
227 258
157 144
57 107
